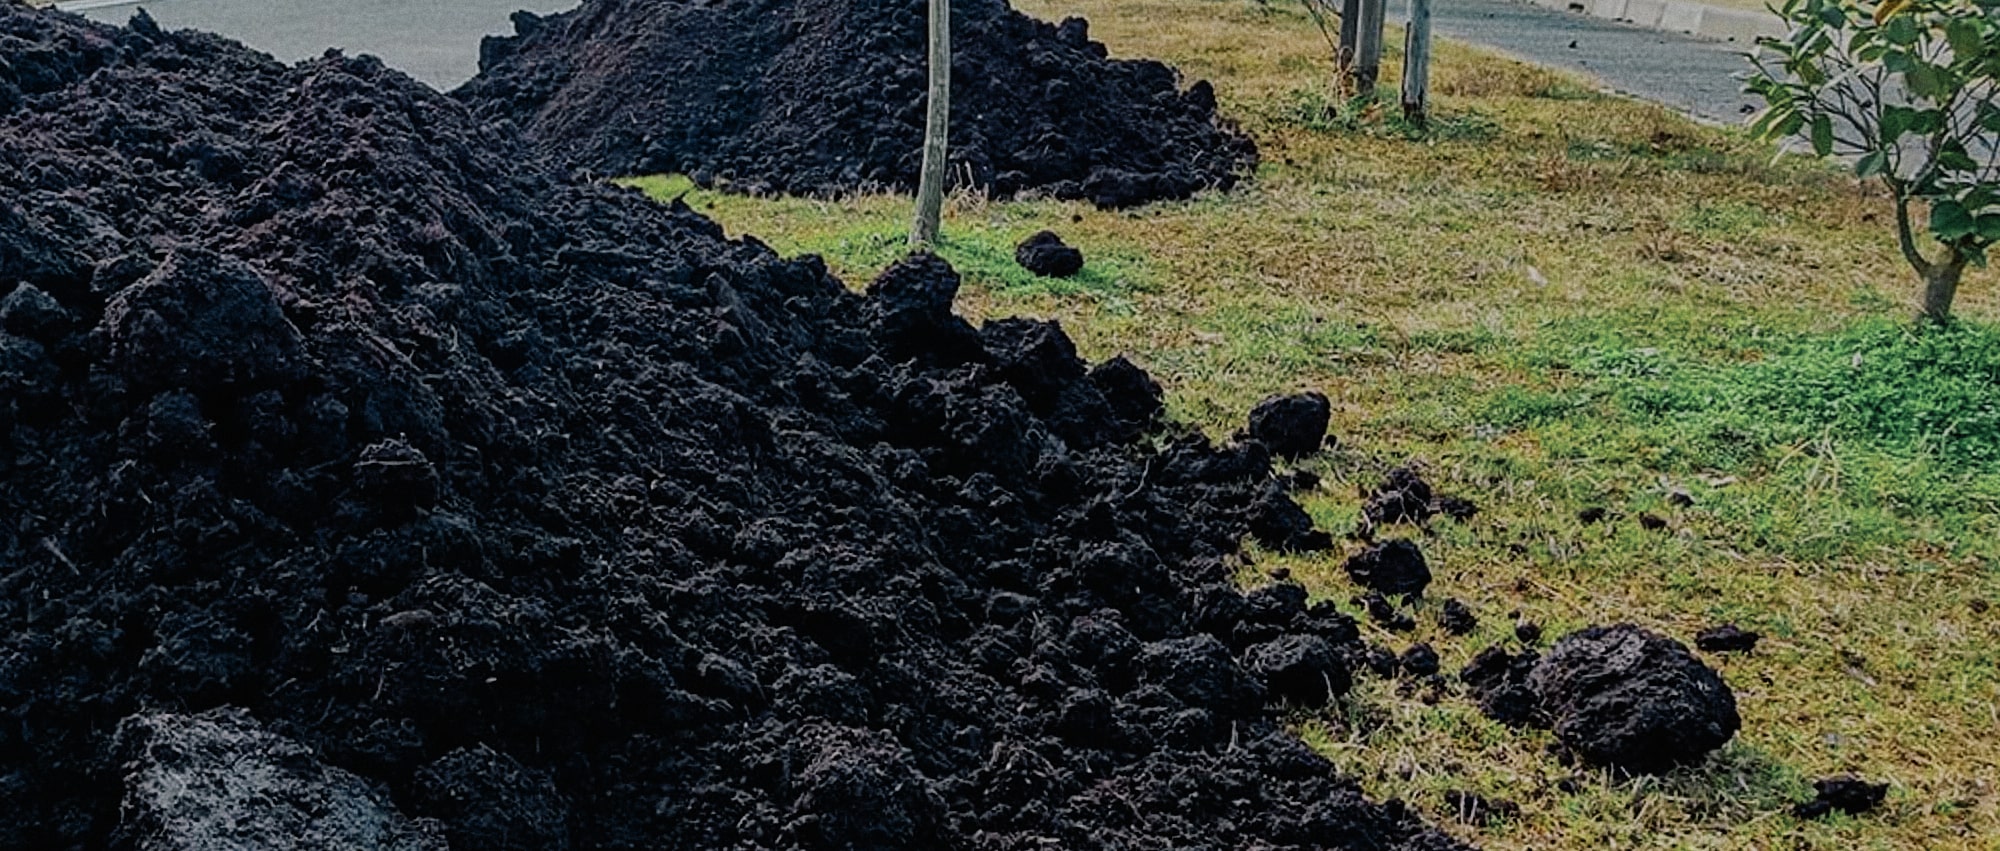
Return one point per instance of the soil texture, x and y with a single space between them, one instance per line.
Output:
1391 567
1291 426
1045 255
549 516
1625 698
1851 795
1727 638
827 96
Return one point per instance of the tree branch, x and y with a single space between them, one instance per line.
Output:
1905 239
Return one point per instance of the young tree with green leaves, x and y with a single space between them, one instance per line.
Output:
1910 90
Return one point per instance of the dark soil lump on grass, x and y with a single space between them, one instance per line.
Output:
468 503
1617 697
817 97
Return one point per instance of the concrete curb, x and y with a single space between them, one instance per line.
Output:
1716 23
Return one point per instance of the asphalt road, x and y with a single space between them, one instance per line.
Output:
436 41
1686 73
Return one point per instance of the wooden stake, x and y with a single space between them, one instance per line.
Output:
937 123
1350 31
1417 63
1368 49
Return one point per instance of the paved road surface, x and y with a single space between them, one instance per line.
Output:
1686 73
436 41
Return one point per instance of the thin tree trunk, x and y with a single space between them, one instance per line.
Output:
937 122
1941 286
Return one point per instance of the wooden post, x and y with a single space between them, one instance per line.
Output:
1368 49
1350 30
937 123
1417 63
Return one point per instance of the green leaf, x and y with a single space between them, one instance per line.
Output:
1900 30
1871 164
1925 81
1950 222
1888 8
1989 117
1963 34
1988 227
1927 121
1895 121
1822 134
1952 156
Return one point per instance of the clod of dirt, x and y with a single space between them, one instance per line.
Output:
1385 613
1456 618
1456 507
555 516
1477 810
1592 514
1403 497
1302 670
396 476
1135 398
1391 567
1381 661
1652 522
1727 638
827 96
1626 698
1045 255
1290 426
1419 661
218 779
1499 682
486 799
1848 794
1528 632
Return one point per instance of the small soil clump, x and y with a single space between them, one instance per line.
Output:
1727 638
1391 567
1499 682
1045 255
1848 794
1290 426
1403 497
1528 632
820 97
1419 661
1456 618
1626 698
1299 669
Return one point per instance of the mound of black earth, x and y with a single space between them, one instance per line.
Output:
1630 699
815 97
479 506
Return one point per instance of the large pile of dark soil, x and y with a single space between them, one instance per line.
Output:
562 521
823 96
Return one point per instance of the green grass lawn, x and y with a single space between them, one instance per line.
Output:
1556 301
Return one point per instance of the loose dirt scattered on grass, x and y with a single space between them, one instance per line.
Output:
560 518
827 96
